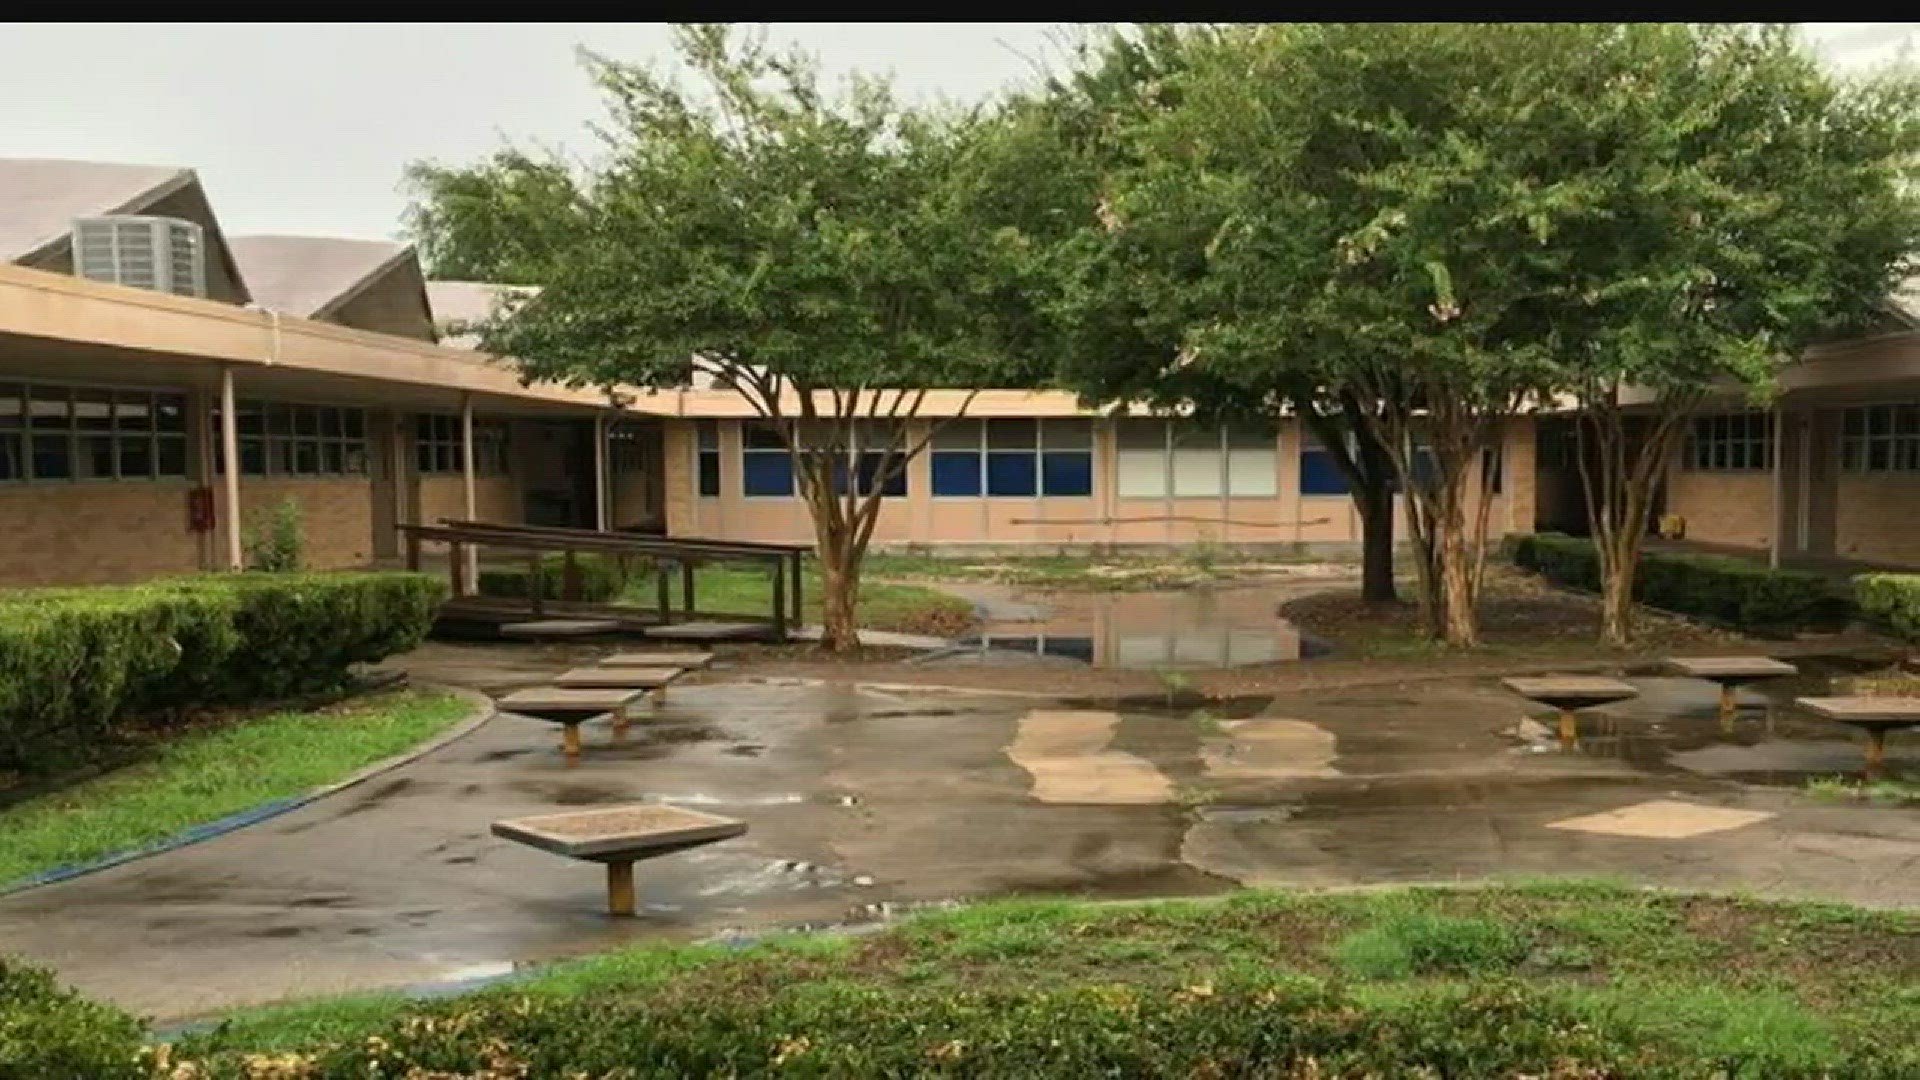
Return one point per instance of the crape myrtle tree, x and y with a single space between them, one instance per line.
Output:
1345 215
829 253
1135 290
1719 201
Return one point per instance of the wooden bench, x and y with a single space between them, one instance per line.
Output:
619 836
571 707
1567 693
651 679
1731 673
1874 715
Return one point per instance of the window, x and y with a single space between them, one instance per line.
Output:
1157 458
296 440
91 433
1880 438
707 458
1731 442
1013 458
869 453
766 468
437 445
1320 473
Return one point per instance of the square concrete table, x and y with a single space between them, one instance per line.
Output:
620 836
1731 673
1566 693
690 660
558 628
569 707
651 679
1874 715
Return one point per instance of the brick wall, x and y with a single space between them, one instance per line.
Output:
1724 507
1875 517
496 499
336 514
85 533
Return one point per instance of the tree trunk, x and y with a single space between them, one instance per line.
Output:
1458 626
1616 592
1375 504
839 597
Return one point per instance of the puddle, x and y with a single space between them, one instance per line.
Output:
1188 629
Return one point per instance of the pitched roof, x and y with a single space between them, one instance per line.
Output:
459 305
40 197
310 276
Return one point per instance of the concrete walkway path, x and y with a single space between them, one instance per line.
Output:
858 800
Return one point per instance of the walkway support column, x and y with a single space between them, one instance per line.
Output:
1779 482
230 448
601 489
473 501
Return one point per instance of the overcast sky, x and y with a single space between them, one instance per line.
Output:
305 128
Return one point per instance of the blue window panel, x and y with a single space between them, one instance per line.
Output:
710 474
1066 472
870 469
766 473
1426 471
956 472
1320 474
1012 473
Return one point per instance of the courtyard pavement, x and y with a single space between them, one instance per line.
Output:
863 801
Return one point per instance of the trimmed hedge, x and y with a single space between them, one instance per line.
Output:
601 579
74 661
47 1030
1253 1024
1720 588
1891 600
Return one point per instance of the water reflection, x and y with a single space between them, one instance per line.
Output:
1199 628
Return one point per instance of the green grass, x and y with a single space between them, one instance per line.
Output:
1891 790
883 605
1200 563
1767 988
214 771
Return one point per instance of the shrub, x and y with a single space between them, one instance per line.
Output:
275 541
1251 1025
1720 588
75 661
1891 600
601 578
47 1030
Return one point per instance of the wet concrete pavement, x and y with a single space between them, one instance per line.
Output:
859 800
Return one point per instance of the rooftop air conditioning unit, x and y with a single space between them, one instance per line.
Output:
159 253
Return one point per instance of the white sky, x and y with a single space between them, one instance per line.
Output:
305 128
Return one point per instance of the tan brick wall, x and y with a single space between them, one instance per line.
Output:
496 499
84 533
1102 518
1877 517
1733 508
336 514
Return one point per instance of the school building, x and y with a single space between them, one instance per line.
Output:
162 383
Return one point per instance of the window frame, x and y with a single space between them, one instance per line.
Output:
1890 427
111 431
1729 442
1222 449
1038 450
437 438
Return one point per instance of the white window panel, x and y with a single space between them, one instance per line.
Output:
1196 472
1253 473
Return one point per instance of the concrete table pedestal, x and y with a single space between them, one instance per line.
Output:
619 836
1875 716
570 708
1568 694
1731 673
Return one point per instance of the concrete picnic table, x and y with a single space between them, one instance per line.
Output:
1731 673
618 837
1874 715
1566 693
651 679
690 659
570 707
